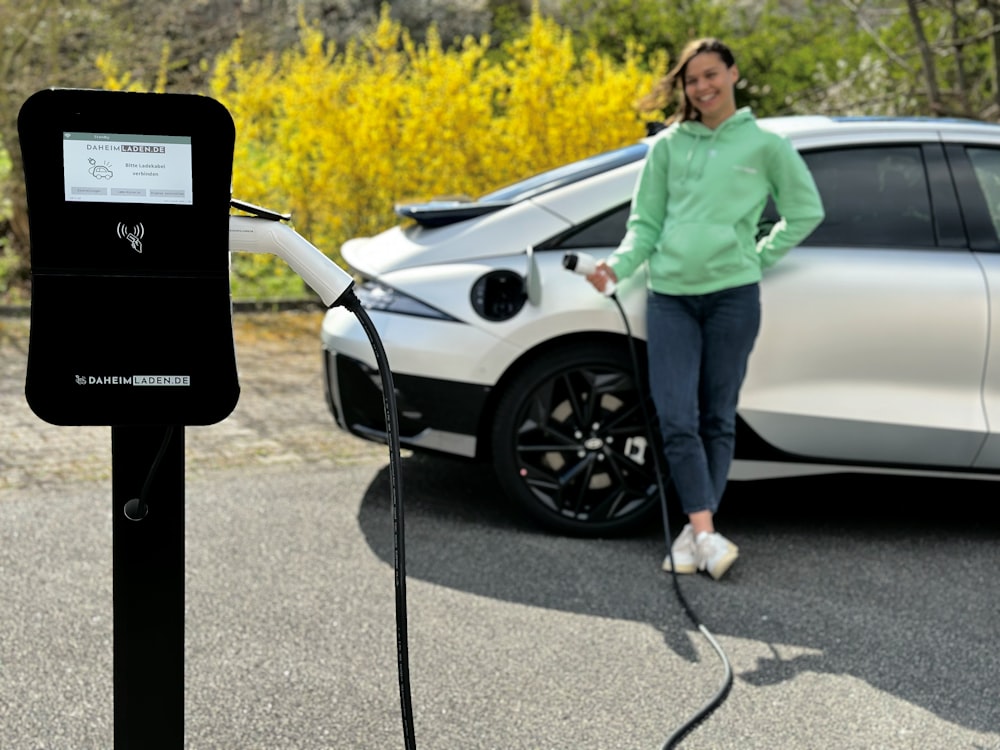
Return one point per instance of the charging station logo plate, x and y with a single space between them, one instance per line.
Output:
134 380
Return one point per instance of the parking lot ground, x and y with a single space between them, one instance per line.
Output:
281 417
859 616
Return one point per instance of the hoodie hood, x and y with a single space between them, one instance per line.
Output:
700 140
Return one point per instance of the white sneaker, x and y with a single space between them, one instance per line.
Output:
683 552
715 554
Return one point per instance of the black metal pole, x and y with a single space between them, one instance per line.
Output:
148 586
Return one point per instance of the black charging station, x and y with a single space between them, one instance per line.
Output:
131 327
128 209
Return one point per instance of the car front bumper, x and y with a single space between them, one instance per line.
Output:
433 415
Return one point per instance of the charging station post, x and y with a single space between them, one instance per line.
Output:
131 327
148 593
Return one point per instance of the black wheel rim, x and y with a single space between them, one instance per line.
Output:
582 448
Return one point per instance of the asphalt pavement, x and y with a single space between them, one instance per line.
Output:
864 613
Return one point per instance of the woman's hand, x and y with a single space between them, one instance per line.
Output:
603 273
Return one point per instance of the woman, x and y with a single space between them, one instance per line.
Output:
693 222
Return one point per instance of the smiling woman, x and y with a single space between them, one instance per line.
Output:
694 226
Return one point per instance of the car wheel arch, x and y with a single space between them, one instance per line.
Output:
569 441
529 358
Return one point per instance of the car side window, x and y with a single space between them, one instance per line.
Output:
872 196
605 231
986 165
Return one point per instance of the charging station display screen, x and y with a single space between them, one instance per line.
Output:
123 168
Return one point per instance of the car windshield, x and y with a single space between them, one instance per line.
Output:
566 174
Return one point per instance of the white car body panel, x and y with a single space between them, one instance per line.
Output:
481 351
469 356
519 226
816 387
576 205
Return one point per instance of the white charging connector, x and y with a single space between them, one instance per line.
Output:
254 234
584 264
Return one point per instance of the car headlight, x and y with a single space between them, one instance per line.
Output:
375 295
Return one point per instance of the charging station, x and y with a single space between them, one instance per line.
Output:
131 327
128 204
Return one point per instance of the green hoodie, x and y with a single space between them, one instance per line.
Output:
698 200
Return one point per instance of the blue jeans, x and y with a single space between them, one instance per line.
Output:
698 350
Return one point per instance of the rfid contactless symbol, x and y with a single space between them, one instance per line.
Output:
133 235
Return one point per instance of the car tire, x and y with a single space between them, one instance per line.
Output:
571 444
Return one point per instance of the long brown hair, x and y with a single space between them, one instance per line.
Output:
673 82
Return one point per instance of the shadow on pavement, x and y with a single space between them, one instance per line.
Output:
892 581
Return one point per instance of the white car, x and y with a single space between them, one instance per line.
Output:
879 348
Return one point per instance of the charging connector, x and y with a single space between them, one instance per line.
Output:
258 234
585 265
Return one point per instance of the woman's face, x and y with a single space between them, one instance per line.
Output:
709 86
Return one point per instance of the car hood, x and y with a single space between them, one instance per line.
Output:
510 231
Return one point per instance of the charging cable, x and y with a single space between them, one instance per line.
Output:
263 231
351 302
584 264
